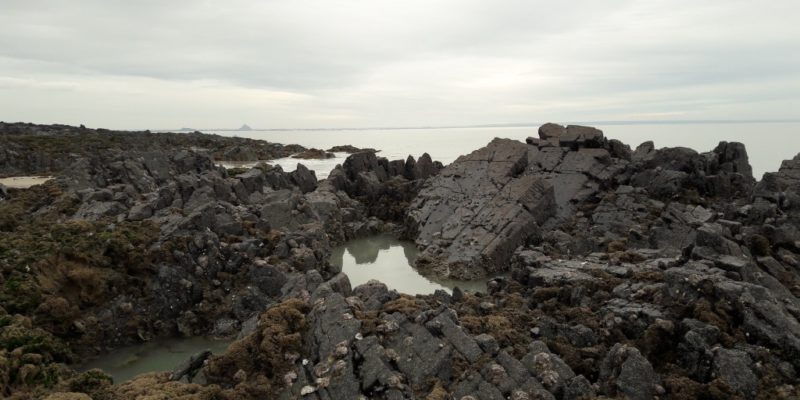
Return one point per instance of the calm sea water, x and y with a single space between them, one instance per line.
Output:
767 143
158 355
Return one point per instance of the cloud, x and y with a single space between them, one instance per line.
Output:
34 84
152 64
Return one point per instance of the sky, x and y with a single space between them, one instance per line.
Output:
154 64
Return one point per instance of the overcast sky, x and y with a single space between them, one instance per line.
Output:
305 63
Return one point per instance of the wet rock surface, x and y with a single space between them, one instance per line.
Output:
640 274
349 149
312 154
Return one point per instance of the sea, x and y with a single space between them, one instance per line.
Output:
768 143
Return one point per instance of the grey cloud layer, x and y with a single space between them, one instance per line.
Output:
362 63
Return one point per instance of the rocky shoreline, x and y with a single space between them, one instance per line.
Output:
635 273
30 149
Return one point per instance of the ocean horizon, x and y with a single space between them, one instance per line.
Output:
767 143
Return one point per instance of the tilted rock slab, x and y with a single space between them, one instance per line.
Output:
472 216
469 219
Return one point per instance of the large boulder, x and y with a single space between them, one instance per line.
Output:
239 153
424 167
735 368
627 374
471 217
570 136
683 172
363 162
304 178
783 186
475 212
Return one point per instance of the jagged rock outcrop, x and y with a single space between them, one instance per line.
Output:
218 247
647 273
471 217
29 149
384 187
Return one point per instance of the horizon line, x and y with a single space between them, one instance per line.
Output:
497 125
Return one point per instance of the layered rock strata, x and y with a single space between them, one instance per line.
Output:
469 219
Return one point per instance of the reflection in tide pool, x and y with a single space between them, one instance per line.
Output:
154 356
391 261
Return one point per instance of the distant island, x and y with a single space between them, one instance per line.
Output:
245 127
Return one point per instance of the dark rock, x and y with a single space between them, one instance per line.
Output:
311 154
375 369
533 141
397 168
304 178
732 158
512 377
549 369
476 388
456 336
442 296
472 216
661 183
550 131
420 355
268 279
488 343
409 167
578 388
349 149
239 153
735 368
571 136
424 167
644 151
695 348
140 212
619 150
625 372
534 269
363 162
373 294
282 209
337 284
190 367
458 294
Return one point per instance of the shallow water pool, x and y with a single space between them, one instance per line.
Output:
391 261
24 182
321 167
154 356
